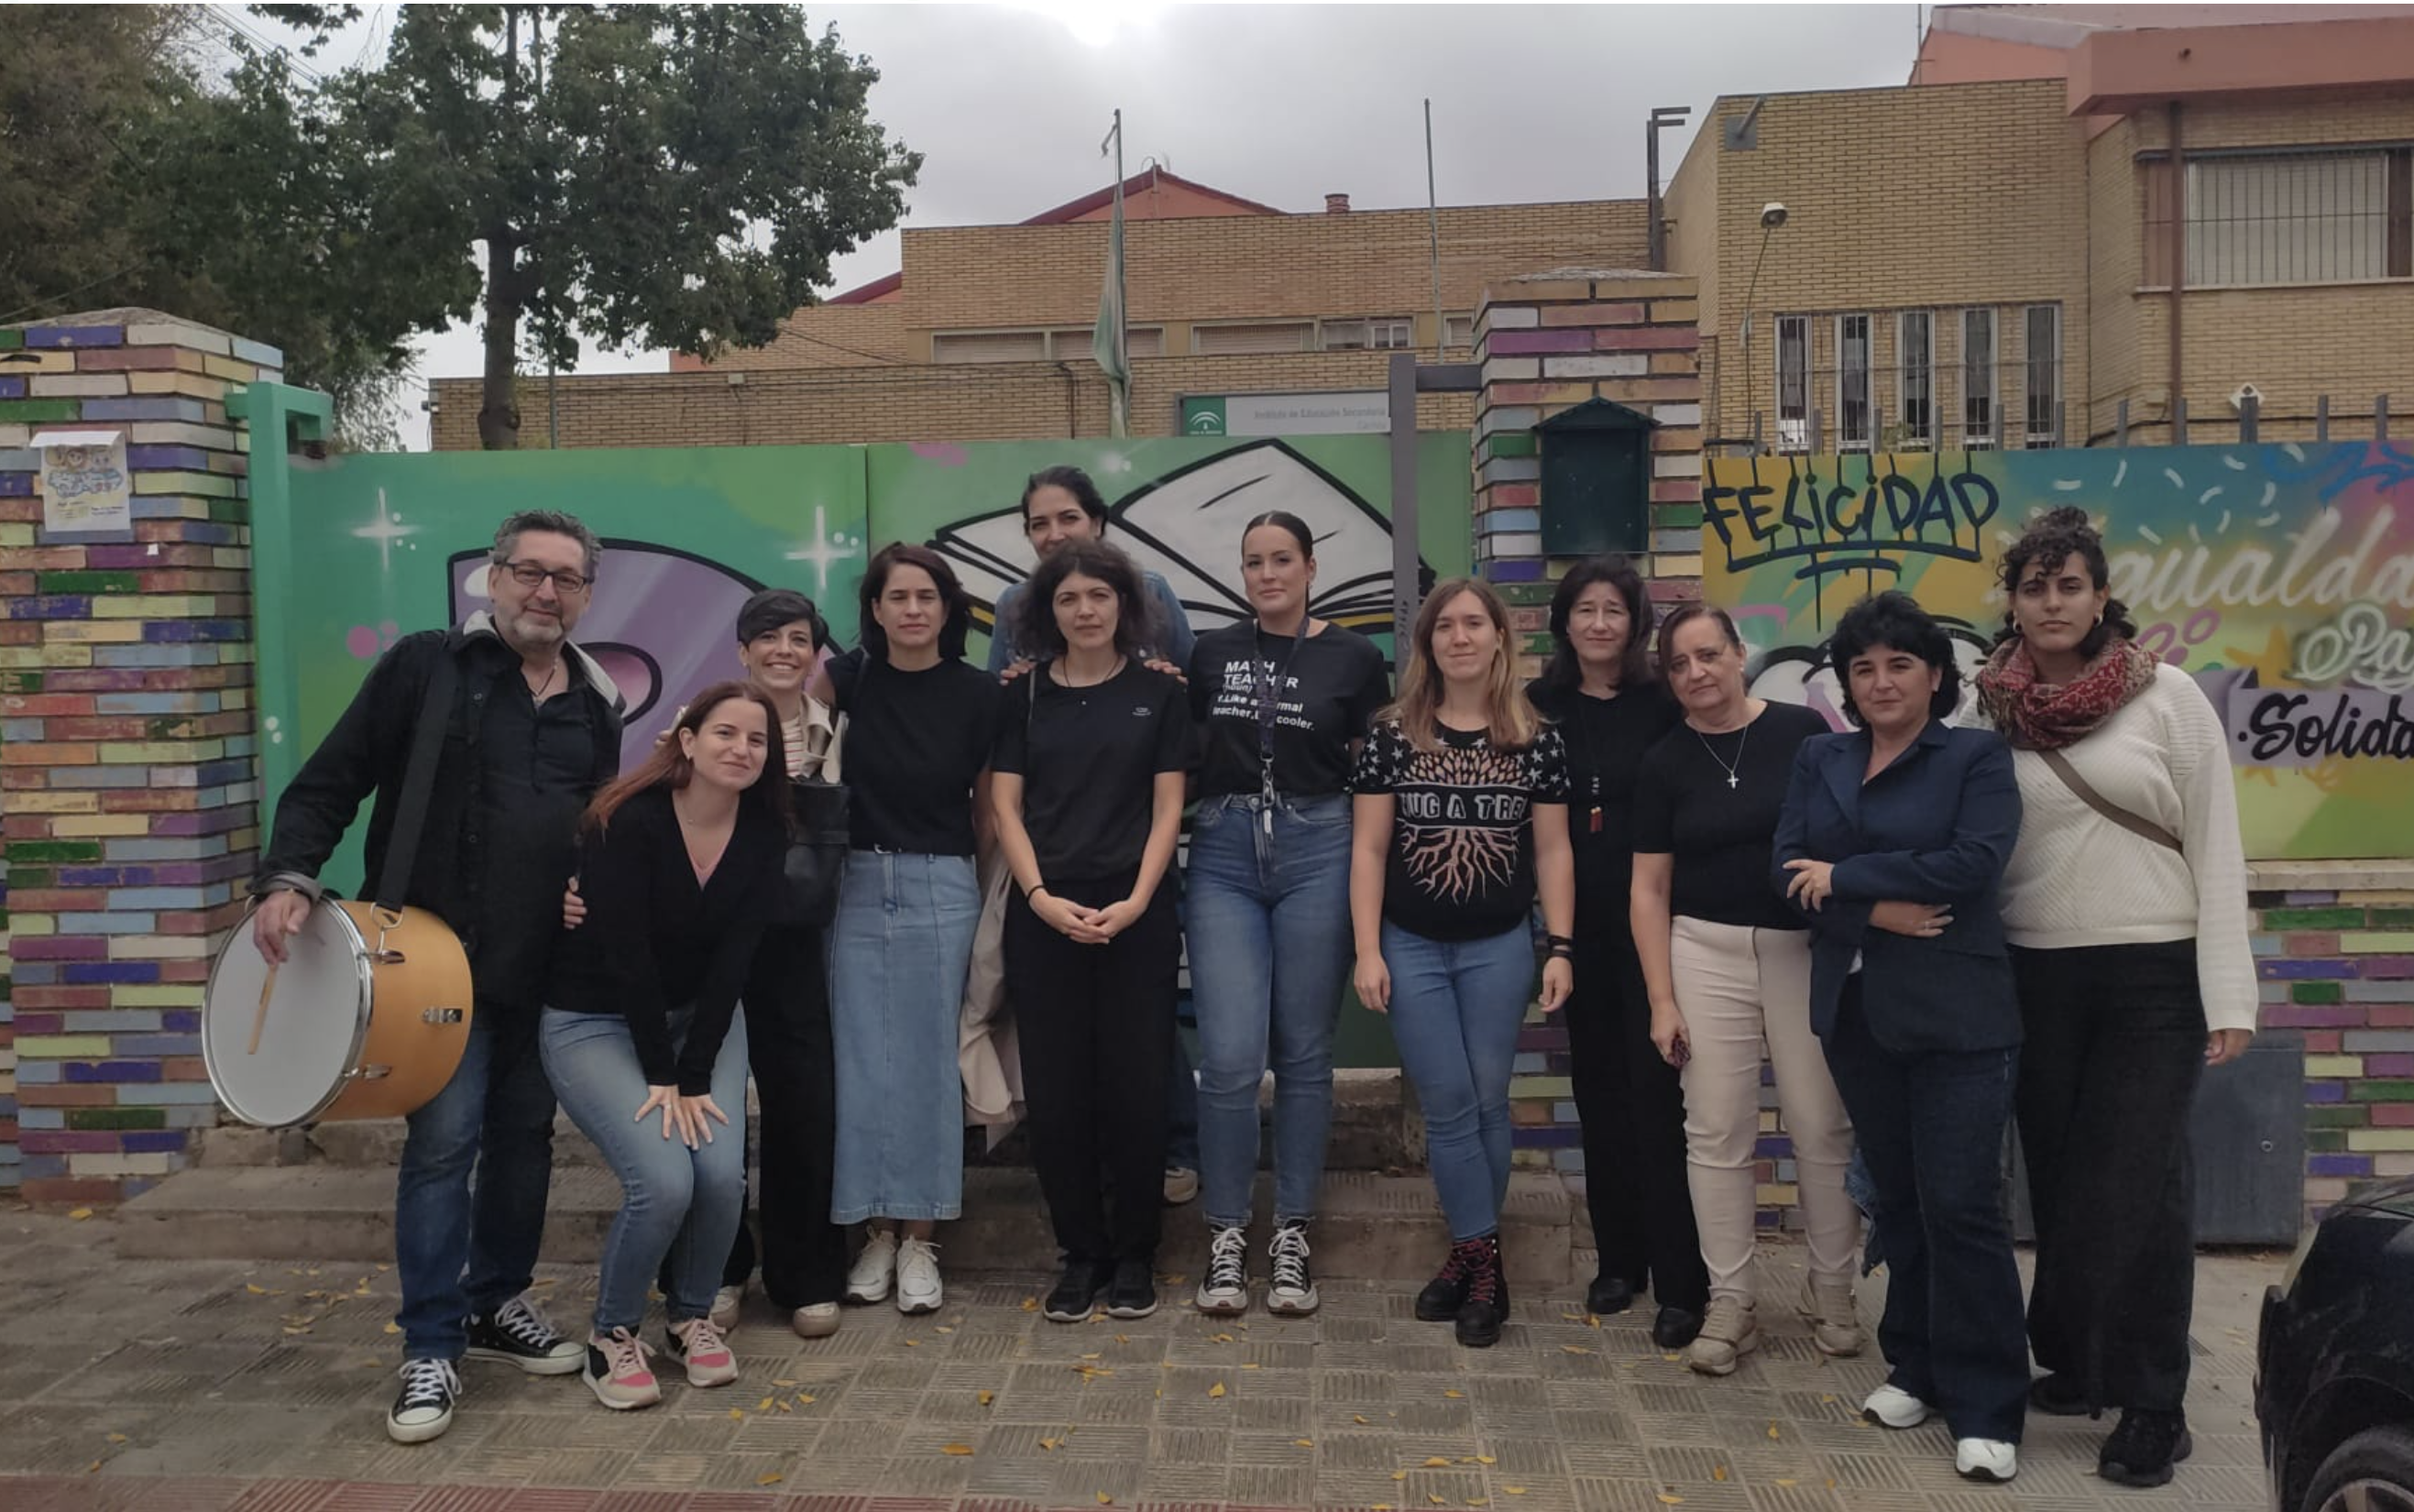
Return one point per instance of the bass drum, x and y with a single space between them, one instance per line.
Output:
366 1018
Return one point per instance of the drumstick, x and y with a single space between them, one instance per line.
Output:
260 1019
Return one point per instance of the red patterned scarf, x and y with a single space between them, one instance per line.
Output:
2036 716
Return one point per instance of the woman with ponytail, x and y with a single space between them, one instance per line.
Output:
2126 905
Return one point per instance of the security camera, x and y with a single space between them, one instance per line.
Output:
2244 392
1772 214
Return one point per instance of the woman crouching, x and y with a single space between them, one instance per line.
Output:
641 1035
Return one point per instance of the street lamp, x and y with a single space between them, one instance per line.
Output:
1772 216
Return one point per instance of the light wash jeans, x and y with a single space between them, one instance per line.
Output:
1456 1008
1270 947
675 1202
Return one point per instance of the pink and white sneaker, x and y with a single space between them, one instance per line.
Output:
616 1371
709 1360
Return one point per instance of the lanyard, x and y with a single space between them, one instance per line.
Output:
1268 682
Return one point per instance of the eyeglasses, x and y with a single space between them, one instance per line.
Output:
528 575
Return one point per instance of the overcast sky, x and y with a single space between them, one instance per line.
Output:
1283 104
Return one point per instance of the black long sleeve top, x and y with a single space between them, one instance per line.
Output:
654 939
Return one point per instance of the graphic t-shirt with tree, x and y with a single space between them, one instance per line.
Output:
1461 857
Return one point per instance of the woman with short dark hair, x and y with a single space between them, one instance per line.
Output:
1091 765
920 724
2125 904
1611 706
1892 844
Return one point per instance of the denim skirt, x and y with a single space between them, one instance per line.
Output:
899 948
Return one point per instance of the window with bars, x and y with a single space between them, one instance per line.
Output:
1458 333
2042 370
1853 383
1793 382
1385 335
1065 346
1978 378
1260 336
2285 217
1914 400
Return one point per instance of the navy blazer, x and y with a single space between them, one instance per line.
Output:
1936 827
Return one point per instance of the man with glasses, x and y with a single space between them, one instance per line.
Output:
532 730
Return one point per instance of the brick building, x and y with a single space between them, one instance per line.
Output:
1985 257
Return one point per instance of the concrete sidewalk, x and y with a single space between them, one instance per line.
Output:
164 1384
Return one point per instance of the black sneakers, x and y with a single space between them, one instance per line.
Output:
1675 1328
1077 1292
1608 1295
2143 1448
424 1409
1224 1290
1446 1293
518 1334
2058 1395
1133 1292
1486 1308
1290 1287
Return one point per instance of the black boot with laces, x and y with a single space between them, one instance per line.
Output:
2143 1448
1446 1293
1486 1308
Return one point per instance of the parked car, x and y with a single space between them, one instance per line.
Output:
2334 1362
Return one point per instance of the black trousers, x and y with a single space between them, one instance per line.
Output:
2116 1038
786 1003
1633 1108
1931 1129
1095 1028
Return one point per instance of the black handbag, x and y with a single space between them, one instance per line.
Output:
817 853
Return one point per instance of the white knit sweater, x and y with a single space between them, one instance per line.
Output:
2078 878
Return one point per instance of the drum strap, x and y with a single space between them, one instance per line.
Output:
418 781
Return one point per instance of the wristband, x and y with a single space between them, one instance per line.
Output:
1559 943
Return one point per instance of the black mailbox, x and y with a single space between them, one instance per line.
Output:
1596 493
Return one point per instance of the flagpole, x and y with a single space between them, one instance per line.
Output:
1123 304
1433 223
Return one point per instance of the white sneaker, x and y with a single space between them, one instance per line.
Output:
816 1320
917 1278
1891 1406
725 1303
1986 1460
875 1268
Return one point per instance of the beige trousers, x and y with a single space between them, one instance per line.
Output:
1736 988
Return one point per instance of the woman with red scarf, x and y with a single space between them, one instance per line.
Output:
2126 905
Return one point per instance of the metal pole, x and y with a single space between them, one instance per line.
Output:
1655 239
2179 420
1815 437
2121 424
2381 416
2322 418
2248 415
1433 227
1122 300
1403 503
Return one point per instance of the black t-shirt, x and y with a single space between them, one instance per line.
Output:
915 742
538 767
1462 858
1333 682
1606 739
1089 758
1720 835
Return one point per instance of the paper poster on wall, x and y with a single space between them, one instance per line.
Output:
86 486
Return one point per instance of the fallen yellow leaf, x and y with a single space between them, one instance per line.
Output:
1671 1499
783 1385
1787 1480
1050 1444
79 1214
1360 1418
736 1415
1773 1432
1252 1365
1303 1443
988 1397
1399 1474
1123 1339
393 1328
1486 1459
763 1406
958 1449
255 1288
912 1343
1092 1356
1574 1349
1030 1304
90 1468
1453 1392
785 1408
1718 1472
1514 1490
1479 1501
1435 1500
1383 1507
1104 1500
769 1478
945 1328
1437 1462
805 1398
1215 1390
117 1438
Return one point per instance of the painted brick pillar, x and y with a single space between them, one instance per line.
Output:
1548 342
127 780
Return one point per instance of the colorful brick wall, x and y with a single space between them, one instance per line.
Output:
126 777
2337 965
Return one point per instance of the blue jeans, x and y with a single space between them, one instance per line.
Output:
1182 1108
675 1201
462 1249
1456 1008
1270 946
1931 1130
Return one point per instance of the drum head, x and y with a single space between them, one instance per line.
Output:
311 1037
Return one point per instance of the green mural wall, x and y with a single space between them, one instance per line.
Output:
2281 576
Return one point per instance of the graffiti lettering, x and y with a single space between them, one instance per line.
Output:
2186 578
2300 728
1834 525
2361 646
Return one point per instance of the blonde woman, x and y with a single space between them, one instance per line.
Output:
1461 818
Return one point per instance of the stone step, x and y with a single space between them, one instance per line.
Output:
1371 1227
1375 1128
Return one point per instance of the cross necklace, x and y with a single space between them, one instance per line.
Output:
1731 768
